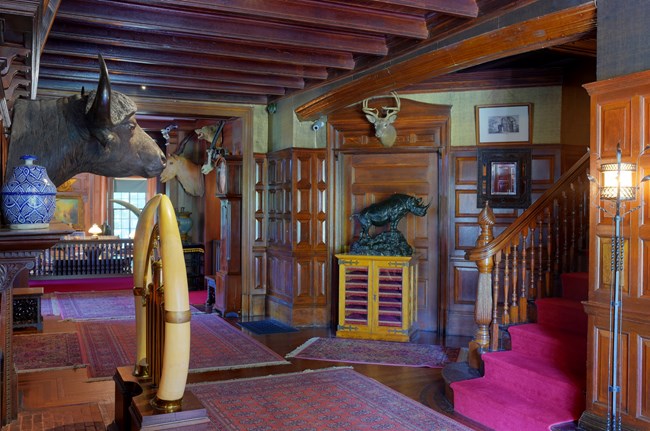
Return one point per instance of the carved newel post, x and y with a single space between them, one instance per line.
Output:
483 306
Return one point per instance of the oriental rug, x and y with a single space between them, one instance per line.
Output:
47 306
100 305
375 352
39 352
326 399
214 345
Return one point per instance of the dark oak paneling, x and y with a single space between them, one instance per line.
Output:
297 237
367 172
619 116
463 224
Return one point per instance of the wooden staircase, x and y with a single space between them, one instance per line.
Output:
531 283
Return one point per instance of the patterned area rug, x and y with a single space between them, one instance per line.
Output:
38 352
375 352
102 305
330 399
47 308
214 345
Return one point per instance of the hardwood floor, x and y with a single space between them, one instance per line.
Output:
67 400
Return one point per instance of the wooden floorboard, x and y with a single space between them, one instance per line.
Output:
48 399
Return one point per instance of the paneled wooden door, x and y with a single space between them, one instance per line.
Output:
370 178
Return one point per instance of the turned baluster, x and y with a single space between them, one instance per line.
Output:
532 288
549 250
494 336
483 306
523 304
505 318
556 217
540 261
565 233
514 309
572 245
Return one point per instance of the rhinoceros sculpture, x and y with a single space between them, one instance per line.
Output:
389 211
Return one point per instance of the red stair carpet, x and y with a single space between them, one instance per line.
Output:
541 381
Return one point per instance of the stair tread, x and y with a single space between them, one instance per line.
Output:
575 285
563 302
513 406
498 393
541 367
548 333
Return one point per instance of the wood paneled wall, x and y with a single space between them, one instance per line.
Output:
366 172
464 229
298 268
620 113
260 230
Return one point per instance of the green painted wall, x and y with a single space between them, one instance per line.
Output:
260 129
286 131
547 103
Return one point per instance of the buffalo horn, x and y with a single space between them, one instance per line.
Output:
100 112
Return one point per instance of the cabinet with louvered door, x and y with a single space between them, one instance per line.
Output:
377 297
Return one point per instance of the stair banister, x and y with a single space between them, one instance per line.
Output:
483 308
520 237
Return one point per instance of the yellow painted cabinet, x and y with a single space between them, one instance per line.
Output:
377 297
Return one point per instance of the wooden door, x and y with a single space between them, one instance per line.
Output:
370 178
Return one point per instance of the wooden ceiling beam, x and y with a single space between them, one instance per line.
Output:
218 46
559 27
57 88
488 79
88 64
317 13
160 82
176 21
117 53
461 8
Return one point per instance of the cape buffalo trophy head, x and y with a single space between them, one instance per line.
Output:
95 133
125 148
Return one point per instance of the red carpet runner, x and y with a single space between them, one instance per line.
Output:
541 381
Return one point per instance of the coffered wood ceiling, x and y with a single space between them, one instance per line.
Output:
260 51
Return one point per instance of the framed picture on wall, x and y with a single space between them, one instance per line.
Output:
504 123
504 178
70 210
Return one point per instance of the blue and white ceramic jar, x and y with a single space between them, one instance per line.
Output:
28 197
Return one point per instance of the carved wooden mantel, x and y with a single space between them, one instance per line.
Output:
18 250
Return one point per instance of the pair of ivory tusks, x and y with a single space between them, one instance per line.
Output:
176 350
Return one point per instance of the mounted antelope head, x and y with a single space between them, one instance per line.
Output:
384 129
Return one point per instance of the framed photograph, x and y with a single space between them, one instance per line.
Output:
504 178
504 123
70 210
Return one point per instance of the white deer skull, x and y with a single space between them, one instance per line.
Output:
384 129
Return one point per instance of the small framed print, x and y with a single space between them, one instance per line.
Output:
504 123
504 178
70 210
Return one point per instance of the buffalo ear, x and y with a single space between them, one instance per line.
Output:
100 112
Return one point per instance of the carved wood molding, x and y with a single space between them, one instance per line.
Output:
567 25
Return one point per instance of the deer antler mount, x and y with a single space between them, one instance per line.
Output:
384 129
